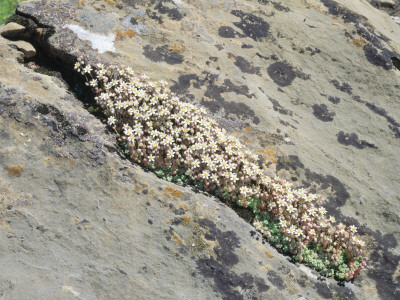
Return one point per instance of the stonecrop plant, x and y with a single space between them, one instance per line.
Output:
180 143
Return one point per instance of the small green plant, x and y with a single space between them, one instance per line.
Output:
179 143
7 8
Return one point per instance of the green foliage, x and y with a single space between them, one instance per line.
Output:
7 8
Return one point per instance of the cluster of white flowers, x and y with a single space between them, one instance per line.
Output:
162 132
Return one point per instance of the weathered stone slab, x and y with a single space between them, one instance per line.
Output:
311 85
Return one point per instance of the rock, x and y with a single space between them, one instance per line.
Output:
11 52
26 48
12 30
80 221
312 86
392 7
386 3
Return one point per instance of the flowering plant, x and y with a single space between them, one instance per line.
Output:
178 142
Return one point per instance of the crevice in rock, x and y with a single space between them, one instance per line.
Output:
395 62
54 62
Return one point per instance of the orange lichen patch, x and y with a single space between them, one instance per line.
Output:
231 57
138 188
248 129
74 15
176 238
171 192
178 48
81 2
75 220
52 160
98 8
359 42
145 185
128 33
266 268
4 222
270 153
184 206
15 171
268 254
186 219
110 2
151 192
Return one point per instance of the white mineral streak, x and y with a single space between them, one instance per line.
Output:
102 43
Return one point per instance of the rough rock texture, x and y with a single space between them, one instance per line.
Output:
312 86
392 7
11 30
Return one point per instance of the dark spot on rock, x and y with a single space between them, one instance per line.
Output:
351 139
263 1
172 13
287 124
150 222
380 59
122 272
313 51
244 65
326 181
262 56
344 87
322 113
133 21
184 83
251 25
162 53
395 62
292 162
226 281
281 73
347 15
227 242
176 221
276 280
43 109
213 58
145 191
247 46
280 7
261 285
226 32
274 57
334 100
53 125
154 16
180 211
148 203
323 290
80 130
383 265
394 126
214 92
279 108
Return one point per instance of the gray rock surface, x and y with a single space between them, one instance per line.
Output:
313 86
12 30
392 7
26 48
